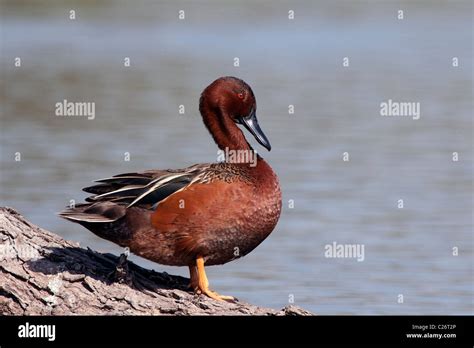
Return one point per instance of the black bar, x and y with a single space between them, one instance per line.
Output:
290 331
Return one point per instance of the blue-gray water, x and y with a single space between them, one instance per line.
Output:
408 251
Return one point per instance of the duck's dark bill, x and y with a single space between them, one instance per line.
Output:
250 122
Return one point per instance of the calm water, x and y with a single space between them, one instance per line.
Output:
408 251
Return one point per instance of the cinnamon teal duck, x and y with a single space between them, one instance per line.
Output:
206 214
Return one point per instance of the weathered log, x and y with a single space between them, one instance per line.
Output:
43 274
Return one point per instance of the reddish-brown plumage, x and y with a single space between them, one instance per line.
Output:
220 121
212 212
221 221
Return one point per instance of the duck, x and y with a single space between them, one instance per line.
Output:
203 215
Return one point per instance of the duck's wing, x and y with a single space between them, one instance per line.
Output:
112 196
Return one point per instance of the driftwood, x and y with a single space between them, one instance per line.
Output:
43 274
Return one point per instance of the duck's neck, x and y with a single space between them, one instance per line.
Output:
224 131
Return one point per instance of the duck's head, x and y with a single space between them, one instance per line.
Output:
228 101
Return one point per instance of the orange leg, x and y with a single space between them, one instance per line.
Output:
203 283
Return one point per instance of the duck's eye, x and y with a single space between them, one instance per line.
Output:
240 95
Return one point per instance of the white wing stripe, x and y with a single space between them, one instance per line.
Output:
157 185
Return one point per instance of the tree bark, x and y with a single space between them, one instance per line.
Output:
43 274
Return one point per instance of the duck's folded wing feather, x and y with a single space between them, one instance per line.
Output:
138 189
112 196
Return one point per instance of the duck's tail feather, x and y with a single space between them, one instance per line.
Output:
100 212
